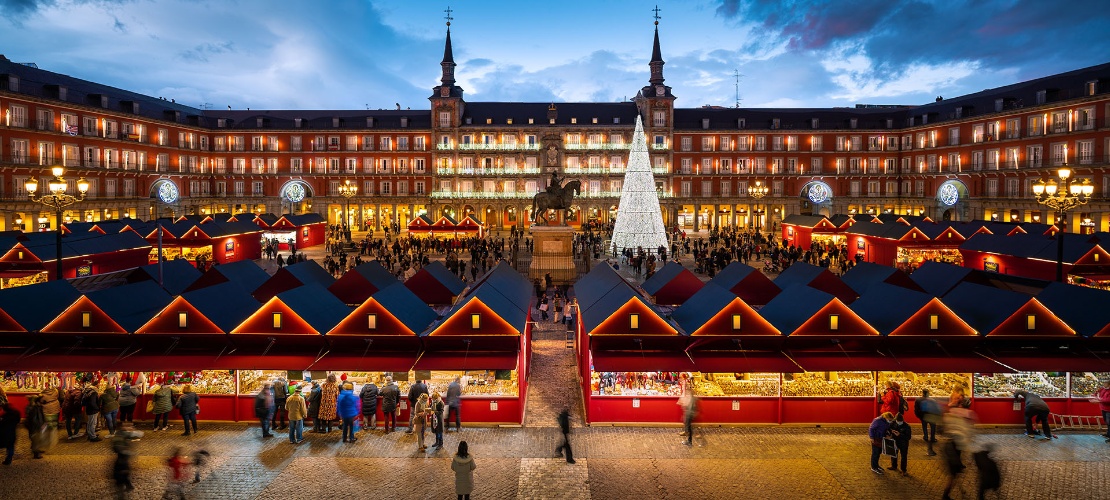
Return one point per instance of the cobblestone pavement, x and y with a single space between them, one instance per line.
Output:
613 463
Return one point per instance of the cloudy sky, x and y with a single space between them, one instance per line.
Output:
352 54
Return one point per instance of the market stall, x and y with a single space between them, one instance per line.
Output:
672 284
746 282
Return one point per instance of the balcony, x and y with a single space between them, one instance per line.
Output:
488 147
607 170
482 195
598 146
487 171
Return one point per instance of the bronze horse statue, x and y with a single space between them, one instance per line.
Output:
560 199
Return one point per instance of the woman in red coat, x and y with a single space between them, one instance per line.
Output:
891 399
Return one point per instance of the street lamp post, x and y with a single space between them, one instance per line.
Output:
1062 194
758 192
348 191
58 199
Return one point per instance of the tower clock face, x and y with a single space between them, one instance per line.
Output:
167 192
660 91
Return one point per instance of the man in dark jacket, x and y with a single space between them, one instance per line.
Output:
314 396
369 397
9 424
564 426
71 412
1035 407
414 394
900 431
391 396
281 393
454 402
90 399
37 430
264 408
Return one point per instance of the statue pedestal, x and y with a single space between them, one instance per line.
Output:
553 253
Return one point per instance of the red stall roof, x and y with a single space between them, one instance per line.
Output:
673 284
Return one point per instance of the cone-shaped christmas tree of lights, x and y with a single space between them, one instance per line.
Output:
639 223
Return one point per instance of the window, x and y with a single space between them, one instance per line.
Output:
776 143
256 188
18 116
475 321
707 144
1034 155
815 143
873 188
736 322
726 143
954 136
45 120
418 187
387 188
834 322
277 321
726 188
295 165
659 119
634 321
934 322
760 143
854 188
992 188
1059 154
1036 125
444 118
706 188
1013 128
685 142
1084 152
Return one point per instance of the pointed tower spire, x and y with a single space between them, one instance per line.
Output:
656 63
448 64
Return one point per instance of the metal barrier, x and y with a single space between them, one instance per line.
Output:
1078 422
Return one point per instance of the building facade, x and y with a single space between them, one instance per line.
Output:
971 157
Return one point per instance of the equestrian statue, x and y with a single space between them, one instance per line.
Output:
555 197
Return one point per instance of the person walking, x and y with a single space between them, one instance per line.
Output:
990 476
436 408
928 411
900 431
163 403
264 408
314 407
281 393
454 402
9 425
297 411
391 396
1035 408
176 485
419 421
689 403
1102 397
128 398
564 426
463 465
109 409
347 407
90 399
188 405
415 392
200 458
329 395
877 431
123 444
369 398
51 409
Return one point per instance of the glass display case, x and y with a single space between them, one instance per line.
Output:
636 383
1085 384
737 384
1003 385
939 384
828 384
250 381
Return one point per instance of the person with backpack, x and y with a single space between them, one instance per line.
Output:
929 413
891 400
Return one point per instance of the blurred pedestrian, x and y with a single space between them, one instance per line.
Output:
564 426
454 402
200 459
877 431
295 406
928 411
123 444
901 432
1035 408
51 408
264 408
175 487
463 465
9 424
689 403
990 477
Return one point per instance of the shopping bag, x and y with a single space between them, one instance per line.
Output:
890 449
150 406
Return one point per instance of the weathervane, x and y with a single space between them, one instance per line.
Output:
656 16
448 16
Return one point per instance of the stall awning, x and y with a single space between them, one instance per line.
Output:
845 361
627 361
377 362
948 364
1055 362
467 361
743 362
